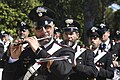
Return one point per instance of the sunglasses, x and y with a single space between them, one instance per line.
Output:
24 30
41 27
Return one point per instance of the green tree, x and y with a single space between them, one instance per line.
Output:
87 12
12 11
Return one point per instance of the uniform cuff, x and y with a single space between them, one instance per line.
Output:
38 50
11 60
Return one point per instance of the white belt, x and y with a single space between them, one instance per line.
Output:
31 71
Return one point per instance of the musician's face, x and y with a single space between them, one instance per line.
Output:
47 30
105 36
95 42
23 33
70 37
42 32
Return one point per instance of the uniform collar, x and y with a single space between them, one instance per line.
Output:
107 42
96 50
46 45
74 46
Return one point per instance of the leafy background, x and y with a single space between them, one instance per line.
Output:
86 12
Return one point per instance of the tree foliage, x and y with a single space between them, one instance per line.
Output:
65 9
13 11
87 12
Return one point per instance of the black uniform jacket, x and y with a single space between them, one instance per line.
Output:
59 69
116 52
85 68
1 55
1 50
106 67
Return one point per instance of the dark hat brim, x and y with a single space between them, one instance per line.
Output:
70 29
95 34
44 21
22 26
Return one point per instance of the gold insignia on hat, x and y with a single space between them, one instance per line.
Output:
111 65
69 60
46 22
22 23
117 32
56 28
40 14
2 32
80 57
93 29
40 11
102 25
69 21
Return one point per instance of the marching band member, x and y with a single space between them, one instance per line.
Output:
116 55
47 47
106 43
84 67
102 58
58 35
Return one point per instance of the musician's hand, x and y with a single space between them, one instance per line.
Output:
115 63
49 63
33 42
15 51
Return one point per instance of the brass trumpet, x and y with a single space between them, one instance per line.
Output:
39 39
